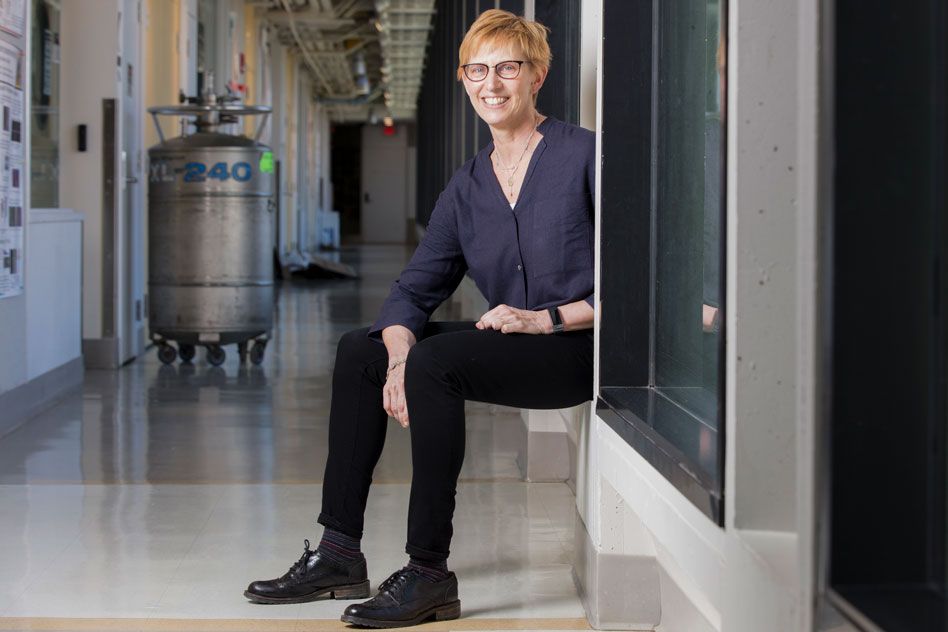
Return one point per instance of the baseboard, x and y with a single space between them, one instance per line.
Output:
832 619
29 399
101 353
679 614
619 592
573 461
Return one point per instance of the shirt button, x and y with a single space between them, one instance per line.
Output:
519 267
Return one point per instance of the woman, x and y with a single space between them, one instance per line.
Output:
518 219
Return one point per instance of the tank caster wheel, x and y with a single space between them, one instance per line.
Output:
242 350
215 355
256 352
167 354
186 352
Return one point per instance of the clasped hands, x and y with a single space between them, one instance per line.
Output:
503 318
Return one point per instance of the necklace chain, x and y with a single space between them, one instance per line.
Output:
513 170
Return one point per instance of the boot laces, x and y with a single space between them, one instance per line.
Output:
300 564
395 581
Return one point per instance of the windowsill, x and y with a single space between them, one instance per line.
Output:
895 607
679 445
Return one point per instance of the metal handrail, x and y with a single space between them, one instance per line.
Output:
201 110
195 108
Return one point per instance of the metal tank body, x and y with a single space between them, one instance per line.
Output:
210 239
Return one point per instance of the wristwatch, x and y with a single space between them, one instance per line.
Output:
557 321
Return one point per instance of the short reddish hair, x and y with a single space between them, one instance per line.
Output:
502 28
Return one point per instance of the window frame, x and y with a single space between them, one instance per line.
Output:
628 400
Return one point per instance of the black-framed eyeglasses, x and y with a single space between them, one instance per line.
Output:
505 70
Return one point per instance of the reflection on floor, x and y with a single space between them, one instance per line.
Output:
150 499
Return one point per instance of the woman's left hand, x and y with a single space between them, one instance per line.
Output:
510 320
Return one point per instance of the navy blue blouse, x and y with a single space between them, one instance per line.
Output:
537 255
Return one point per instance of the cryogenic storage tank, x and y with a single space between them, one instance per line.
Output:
210 235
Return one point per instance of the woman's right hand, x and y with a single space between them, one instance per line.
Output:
398 340
393 393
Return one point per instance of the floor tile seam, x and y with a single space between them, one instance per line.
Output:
551 526
42 574
127 624
177 568
549 517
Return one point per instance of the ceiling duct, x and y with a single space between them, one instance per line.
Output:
338 44
403 26
359 51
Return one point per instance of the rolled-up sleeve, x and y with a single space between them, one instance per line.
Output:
432 275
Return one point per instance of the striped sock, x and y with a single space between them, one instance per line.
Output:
434 571
339 547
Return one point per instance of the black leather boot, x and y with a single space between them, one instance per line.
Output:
312 577
407 598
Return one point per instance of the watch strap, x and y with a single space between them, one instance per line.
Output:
555 318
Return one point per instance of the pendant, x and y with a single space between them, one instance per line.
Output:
510 182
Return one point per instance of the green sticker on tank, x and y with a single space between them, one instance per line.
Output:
266 162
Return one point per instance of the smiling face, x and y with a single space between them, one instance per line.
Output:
504 103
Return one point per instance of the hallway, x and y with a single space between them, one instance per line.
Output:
150 499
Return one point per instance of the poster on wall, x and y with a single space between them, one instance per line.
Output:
12 129
13 16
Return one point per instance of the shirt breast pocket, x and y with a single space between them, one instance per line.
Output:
561 237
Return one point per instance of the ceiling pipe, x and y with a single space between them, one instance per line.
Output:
362 100
346 8
313 66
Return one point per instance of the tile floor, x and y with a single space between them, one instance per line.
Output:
149 500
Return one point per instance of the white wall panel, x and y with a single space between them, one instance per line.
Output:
54 259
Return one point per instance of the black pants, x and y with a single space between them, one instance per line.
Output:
451 363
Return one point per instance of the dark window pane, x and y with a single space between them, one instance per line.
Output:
688 207
560 94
